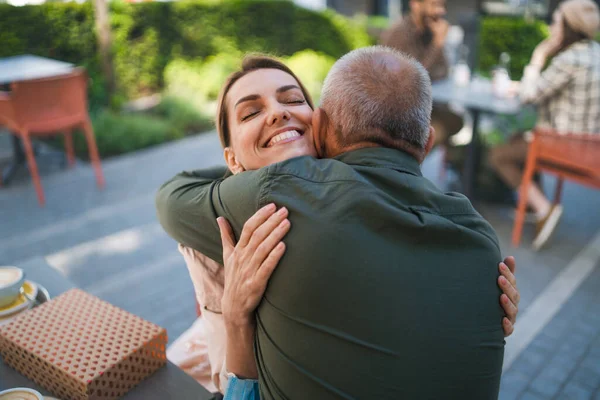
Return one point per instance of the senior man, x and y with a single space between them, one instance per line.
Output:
359 306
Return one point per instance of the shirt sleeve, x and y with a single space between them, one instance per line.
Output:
242 389
189 204
537 87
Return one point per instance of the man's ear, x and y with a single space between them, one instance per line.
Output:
430 141
234 166
320 122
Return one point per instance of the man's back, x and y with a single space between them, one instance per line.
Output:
387 288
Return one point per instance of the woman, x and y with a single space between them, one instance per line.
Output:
252 100
567 94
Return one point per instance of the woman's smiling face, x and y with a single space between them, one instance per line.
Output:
269 120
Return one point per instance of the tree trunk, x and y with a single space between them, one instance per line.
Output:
104 44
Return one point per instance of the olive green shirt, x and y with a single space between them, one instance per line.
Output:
387 289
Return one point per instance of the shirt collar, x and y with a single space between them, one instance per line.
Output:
382 157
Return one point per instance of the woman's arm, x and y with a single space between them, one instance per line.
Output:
537 86
248 267
188 205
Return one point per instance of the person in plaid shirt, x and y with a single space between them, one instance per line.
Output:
567 96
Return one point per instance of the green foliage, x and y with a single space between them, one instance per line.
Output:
182 115
214 70
311 68
148 36
186 47
515 36
379 22
122 133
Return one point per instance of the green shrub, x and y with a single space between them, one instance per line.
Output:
182 115
311 68
215 69
182 78
515 36
122 133
148 36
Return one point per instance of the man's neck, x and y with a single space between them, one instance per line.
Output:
332 153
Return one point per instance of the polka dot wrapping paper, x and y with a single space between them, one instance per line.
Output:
80 347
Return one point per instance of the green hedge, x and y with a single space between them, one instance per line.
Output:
512 35
147 36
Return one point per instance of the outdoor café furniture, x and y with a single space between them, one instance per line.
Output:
22 68
169 382
46 107
574 157
476 98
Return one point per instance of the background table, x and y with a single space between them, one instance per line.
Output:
168 382
475 98
23 68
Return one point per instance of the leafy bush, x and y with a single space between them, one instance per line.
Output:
149 36
311 68
122 133
515 36
214 70
182 115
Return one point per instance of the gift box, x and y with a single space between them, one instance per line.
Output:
80 347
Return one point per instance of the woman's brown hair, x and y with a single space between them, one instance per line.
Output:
249 64
570 36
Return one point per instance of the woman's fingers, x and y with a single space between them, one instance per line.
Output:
254 222
227 237
268 244
268 266
509 305
512 280
264 230
509 308
511 263
507 326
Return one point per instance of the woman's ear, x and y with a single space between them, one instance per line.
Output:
234 166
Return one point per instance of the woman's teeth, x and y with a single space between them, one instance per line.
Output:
282 136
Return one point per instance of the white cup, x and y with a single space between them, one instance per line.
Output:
21 394
11 280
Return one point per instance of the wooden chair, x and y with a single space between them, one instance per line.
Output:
46 107
574 157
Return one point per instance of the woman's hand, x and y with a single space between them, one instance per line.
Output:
248 267
545 49
249 264
510 297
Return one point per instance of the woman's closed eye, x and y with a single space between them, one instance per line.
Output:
249 114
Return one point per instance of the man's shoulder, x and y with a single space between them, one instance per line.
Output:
312 169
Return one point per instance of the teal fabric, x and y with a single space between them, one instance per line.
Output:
242 389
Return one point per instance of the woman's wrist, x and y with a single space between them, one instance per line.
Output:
239 322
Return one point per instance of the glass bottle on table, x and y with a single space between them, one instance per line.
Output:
462 72
501 81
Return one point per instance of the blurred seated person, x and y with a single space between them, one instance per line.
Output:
567 96
422 34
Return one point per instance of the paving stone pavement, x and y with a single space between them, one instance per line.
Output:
109 243
563 362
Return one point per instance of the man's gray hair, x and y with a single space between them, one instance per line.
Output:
380 95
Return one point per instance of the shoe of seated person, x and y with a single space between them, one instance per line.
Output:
546 226
530 216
